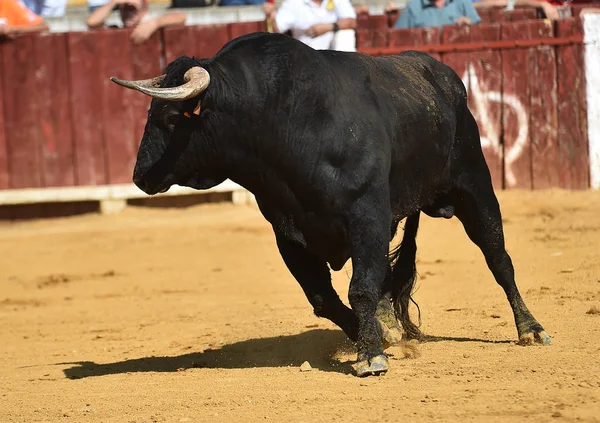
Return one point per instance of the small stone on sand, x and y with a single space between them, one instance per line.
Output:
305 367
593 310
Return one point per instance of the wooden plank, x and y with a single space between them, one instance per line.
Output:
497 15
237 29
414 36
378 25
146 61
543 114
54 118
520 14
572 110
485 88
577 8
456 34
404 37
392 17
119 128
177 42
21 106
85 50
485 16
515 113
380 37
364 38
3 150
209 39
362 21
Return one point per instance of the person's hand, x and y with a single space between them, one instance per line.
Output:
269 9
361 9
143 31
318 29
8 32
550 11
463 20
391 7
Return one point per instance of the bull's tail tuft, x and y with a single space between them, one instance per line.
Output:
404 275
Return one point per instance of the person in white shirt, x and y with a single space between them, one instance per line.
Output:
321 24
46 8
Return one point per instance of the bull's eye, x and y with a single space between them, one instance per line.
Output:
171 119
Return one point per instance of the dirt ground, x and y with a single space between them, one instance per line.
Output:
189 315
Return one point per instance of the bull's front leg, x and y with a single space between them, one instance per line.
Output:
369 232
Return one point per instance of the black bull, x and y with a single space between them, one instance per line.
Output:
337 148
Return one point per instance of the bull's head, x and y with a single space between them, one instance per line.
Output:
168 153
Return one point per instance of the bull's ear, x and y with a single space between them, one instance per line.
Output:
197 109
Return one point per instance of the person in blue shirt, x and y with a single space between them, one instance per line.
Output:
436 13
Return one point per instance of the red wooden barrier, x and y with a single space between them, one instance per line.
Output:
577 8
3 146
372 32
543 116
209 40
573 162
119 128
21 109
86 107
518 79
237 29
415 37
481 72
82 129
520 14
146 59
54 114
177 42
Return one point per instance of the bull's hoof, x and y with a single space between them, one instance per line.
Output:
391 336
375 366
535 337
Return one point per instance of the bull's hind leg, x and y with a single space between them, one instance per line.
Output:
391 332
314 277
477 208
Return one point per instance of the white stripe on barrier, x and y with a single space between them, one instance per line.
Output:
98 193
591 31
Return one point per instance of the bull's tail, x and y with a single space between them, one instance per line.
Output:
404 275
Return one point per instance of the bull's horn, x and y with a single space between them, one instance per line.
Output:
196 80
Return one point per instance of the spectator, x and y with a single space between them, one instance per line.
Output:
549 10
134 15
435 13
321 24
17 19
47 8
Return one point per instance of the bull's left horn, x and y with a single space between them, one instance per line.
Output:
196 80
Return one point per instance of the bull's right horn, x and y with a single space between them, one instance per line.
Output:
196 80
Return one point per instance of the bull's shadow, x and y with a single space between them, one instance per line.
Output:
320 347
317 346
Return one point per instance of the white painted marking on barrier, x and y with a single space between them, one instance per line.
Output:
490 133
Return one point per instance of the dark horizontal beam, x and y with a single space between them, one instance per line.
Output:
475 46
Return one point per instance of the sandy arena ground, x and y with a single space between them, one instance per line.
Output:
189 315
